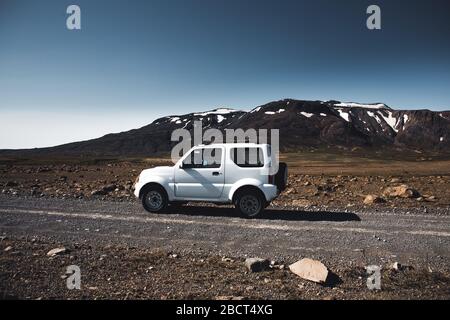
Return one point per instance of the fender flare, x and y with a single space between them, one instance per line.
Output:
159 181
243 183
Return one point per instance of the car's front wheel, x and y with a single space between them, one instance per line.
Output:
249 203
154 199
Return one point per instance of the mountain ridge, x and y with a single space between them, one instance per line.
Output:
302 124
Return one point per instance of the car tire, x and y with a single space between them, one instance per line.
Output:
154 199
249 203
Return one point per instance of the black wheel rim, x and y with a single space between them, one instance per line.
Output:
250 205
154 200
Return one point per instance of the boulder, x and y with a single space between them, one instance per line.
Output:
257 264
402 191
309 269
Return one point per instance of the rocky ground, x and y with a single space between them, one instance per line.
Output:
199 252
123 272
347 216
114 181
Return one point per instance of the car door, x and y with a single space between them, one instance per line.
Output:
201 175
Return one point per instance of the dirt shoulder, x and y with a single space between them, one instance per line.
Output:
313 181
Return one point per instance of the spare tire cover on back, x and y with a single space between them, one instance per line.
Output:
281 176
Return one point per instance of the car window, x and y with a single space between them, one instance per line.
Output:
247 157
203 158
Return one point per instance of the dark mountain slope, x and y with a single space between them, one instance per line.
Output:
302 124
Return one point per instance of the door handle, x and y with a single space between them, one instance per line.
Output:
216 173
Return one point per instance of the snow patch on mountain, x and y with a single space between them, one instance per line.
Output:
216 111
344 115
390 120
274 112
306 114
220 118
375 116
361 105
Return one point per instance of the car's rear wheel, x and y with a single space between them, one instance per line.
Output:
249 203
154 199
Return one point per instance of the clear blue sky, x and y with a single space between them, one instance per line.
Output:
135 60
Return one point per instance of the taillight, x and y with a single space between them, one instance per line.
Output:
271 179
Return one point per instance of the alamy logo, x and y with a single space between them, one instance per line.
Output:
73 21
73 281
245 156
374 279
374 20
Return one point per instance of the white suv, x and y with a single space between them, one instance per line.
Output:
238 173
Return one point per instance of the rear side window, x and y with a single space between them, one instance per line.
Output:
247 157
203 158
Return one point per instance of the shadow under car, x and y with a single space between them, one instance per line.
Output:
267 214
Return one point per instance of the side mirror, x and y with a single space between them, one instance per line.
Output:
181 166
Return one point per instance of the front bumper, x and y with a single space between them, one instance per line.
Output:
137 189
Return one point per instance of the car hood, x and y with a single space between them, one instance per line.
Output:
164 171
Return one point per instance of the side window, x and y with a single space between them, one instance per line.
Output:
203 158
247 157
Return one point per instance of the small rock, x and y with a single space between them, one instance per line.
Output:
371 199
399 267
229 298
309 269
98 193
301 203
56 251
225 259
402 191
257 264
11 184
289 191
396 266
109 188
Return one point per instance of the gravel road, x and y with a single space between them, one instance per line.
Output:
198 252
365 236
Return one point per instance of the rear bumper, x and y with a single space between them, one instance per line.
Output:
270 191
